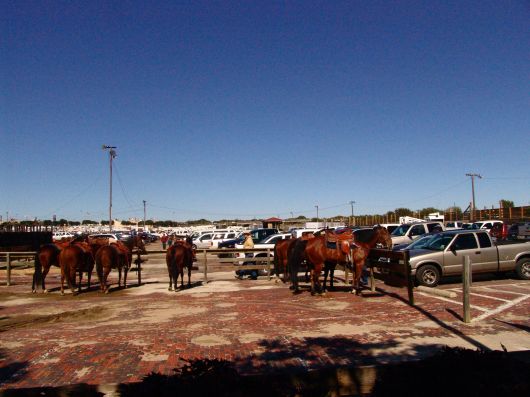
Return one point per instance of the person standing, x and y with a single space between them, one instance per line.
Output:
164 239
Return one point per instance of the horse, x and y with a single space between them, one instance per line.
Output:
179 256
280 258
73 258
117 255
363 241
46 257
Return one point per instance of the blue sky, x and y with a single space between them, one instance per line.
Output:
256 109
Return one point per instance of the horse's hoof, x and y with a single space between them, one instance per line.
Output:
33 291
106 291
45 291
352 291
297 292
291 287
62 293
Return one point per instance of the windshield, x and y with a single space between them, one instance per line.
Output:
401 230
438 242
420 243
477 225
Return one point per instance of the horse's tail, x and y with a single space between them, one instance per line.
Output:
37 274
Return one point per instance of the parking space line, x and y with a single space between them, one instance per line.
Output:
503 291
490 297
453 301
501 308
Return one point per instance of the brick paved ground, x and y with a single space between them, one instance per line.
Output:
53 340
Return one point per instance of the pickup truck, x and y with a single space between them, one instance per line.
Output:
444 255
268 242
408 232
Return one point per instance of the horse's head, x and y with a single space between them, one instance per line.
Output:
139 243
383 236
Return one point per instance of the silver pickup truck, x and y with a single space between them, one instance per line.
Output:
445 252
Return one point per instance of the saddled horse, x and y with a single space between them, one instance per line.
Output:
180 255
118 256
363 241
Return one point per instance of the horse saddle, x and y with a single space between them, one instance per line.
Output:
338 242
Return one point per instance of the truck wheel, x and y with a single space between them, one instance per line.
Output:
428 275
522 268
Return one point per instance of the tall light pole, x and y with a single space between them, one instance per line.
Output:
144 216
352 223
316 206
473 193
112 154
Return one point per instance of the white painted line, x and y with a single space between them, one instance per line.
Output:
503 291
490 297
501 308
452 301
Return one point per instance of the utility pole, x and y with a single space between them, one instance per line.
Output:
112 154
144 217
352 223
473 194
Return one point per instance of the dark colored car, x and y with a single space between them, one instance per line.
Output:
499 231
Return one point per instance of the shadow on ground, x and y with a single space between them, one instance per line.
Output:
451 371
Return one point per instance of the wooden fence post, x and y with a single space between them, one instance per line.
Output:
408 270
466 284
8 269
205 267
269 262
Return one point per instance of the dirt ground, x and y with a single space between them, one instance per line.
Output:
257 325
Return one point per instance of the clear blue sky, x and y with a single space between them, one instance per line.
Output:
255 109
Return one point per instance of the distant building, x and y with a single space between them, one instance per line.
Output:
272 223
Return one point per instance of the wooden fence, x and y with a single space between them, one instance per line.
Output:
393 268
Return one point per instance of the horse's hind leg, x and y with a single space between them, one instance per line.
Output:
189 276
125 271
80 280
45 271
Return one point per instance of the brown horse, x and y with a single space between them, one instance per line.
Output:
363 241
46 257
76 257
280 258
116 256
178 257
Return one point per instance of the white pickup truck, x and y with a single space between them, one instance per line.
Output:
444 255
408 232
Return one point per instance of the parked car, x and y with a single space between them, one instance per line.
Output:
58 236
485 225
111 236
268 243
519 231
390 226
453 225
408 232
218 238
499 231
444 256
418 243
